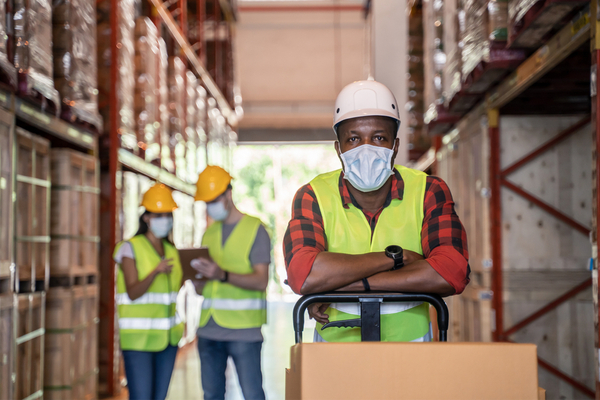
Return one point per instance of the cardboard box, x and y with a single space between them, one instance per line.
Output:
412 371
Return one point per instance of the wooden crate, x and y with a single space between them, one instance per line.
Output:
30 346
6 203
74 214
32 208
7 345
71 342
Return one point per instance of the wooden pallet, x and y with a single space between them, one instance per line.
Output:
32 208
71 362
6 203
74 215
7 345
30 345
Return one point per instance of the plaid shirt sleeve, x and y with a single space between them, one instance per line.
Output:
443 236
304 237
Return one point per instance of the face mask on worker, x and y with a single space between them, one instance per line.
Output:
161 226
367 167
217 211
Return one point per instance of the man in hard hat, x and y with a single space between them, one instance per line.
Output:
234 307
373 225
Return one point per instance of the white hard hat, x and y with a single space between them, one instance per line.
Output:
365 98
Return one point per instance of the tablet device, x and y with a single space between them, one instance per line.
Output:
186 256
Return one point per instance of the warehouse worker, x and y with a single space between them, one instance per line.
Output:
234 307
148 280
373 225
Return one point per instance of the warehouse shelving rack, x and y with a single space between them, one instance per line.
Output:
208 54
559 58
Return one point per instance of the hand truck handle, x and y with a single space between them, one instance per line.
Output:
355 297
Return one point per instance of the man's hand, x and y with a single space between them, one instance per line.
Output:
209 269
317 312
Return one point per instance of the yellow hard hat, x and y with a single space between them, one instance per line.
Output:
159 199
212 182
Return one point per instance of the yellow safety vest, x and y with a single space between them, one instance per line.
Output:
230 306
348 231
150 322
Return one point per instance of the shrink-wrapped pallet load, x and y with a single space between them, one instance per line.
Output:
201 130
453 23
177 103
190 129
75 64
125 69
167 161
8 72
32 21
146 87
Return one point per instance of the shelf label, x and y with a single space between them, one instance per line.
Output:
36 114
580 23
3 98
89 139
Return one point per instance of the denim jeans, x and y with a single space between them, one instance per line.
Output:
149 373
213 362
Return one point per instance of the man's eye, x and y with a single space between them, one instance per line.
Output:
379 138
353 139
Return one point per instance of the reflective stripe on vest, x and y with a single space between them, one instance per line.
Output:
235 305
148 298
161 324
230 306
348 231
150 322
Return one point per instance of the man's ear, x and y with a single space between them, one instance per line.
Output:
336 144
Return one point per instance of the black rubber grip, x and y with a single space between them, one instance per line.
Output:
353 297
347 323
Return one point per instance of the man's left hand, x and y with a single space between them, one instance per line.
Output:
209 269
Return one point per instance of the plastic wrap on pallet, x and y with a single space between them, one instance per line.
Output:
475 37
518 8
177 103
75 65
190 130
498 20
163 92
8 72
146 86
201 108
434 56
125 68
453 23
33 49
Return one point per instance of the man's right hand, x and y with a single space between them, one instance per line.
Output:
164 267
317 312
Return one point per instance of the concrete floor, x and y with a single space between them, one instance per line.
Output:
279 337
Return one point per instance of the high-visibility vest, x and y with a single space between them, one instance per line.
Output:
150 322
348 231
230 306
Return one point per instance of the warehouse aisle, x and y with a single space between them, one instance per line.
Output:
279 337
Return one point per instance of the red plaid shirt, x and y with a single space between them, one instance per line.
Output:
443 237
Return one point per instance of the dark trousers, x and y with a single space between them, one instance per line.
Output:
213 362
149 373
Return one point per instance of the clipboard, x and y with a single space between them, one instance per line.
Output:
186 256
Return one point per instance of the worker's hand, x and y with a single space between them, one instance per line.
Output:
317 311
164 267
411 256
209 269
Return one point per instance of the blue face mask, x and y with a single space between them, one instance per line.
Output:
367 167
161 226
217 211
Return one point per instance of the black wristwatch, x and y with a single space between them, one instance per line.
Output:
397 254
225 278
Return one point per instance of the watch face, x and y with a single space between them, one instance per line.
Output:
394 249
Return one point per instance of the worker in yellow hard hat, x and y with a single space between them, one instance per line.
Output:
148 281
235 306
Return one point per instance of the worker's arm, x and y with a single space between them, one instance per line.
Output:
135 287
416 277
256 280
